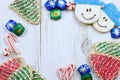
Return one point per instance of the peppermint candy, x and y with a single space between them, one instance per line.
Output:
70 6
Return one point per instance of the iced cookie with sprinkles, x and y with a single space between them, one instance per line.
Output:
24 73
107 47
9 67
106 67
37 76
28 9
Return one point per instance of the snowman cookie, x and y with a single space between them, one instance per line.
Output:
88 11
109 17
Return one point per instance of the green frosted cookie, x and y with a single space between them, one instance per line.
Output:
111 48
28 9
24 73
37 76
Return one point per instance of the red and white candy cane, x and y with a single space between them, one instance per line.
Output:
12 47
67 73
71 6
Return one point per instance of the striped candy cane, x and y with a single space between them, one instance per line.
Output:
12 47
67 73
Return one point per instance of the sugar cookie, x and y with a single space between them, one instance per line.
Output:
107 47
109 17
88 11
106 67
28 9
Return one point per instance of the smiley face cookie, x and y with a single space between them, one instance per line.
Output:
88 11
104 23
109 17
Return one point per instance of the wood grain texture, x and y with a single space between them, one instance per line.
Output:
61 42
28 43
52 44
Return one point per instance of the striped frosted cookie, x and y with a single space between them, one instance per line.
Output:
9 67
24 73
28 9
107 47
37 76
14 69
107 67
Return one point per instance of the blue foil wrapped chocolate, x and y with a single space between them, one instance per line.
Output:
50 4
84 69
61 4
115 32
10 24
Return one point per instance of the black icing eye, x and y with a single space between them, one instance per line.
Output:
106 19
87 10
90 10
103 17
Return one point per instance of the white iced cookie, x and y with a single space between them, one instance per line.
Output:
104 23
87 13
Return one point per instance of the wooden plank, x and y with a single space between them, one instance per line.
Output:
61 42
28 43
52 44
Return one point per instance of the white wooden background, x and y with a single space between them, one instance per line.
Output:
52 44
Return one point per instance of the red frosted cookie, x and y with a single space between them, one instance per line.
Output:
9 67
107 67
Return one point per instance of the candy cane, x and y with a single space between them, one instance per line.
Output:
12 47
61 73
72 69
67 73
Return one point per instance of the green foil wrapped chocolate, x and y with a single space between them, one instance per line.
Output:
86 77
55 14
18 29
